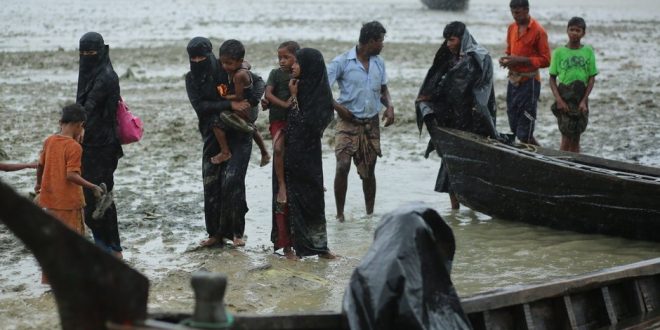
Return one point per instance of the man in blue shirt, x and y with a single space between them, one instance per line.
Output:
360 74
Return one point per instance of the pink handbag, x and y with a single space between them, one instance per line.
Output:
129 127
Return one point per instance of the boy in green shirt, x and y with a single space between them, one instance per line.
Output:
575 67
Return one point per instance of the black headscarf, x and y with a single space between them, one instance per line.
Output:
314 94
203 70
91 65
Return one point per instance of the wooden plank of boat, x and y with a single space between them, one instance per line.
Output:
621 296
561 190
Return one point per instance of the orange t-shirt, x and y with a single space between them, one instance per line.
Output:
533 44
60 155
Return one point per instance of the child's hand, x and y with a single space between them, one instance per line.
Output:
98 192
561 105
264 104
583 107
37 188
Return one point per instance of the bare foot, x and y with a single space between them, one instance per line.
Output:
265 159
238 241
281 195
118 254
221 157
210 242
328 255
290 254
340 217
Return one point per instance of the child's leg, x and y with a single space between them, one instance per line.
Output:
265 156
225 153
278 151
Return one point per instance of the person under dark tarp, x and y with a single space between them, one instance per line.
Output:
224 184
457 93
309 115
403 282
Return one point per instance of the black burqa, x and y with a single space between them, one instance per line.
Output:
404 282
303 168
461 94
225 205
98 93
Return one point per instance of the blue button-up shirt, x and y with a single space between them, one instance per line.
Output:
359 90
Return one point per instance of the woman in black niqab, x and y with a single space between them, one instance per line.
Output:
303 167
98 93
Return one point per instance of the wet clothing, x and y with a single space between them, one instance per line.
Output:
522 95
573 122
521 104
570 65
361 140
279 80
60 155
359 89
224 184
461 96
533 44
403 281
303 168
98 93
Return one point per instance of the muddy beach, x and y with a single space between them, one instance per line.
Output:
158 182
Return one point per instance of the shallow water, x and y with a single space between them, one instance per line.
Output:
158 188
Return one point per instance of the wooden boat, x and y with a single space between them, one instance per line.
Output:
446 4
562 190
625 297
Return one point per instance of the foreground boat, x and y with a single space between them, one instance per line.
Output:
625 297
562 190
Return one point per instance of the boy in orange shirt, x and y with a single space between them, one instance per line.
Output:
59 184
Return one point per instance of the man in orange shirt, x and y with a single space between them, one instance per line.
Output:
527 51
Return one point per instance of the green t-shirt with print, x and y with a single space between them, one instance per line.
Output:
279 80
570 64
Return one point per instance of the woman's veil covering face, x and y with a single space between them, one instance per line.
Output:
91 65
314 94
200 46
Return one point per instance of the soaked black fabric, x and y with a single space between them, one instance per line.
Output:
98 166
461 96
403 281
225 205
98 93
303 167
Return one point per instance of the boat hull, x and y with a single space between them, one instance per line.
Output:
559 190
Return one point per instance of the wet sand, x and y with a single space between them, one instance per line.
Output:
158 183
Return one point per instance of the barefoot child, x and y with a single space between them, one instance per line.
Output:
575 67
279 100
59 184
240 88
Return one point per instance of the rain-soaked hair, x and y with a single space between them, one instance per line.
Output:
371 31
454 29
518 4
577 21
73 113
291 46
233 49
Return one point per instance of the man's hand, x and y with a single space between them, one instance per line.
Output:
388 116
343 112
422 98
